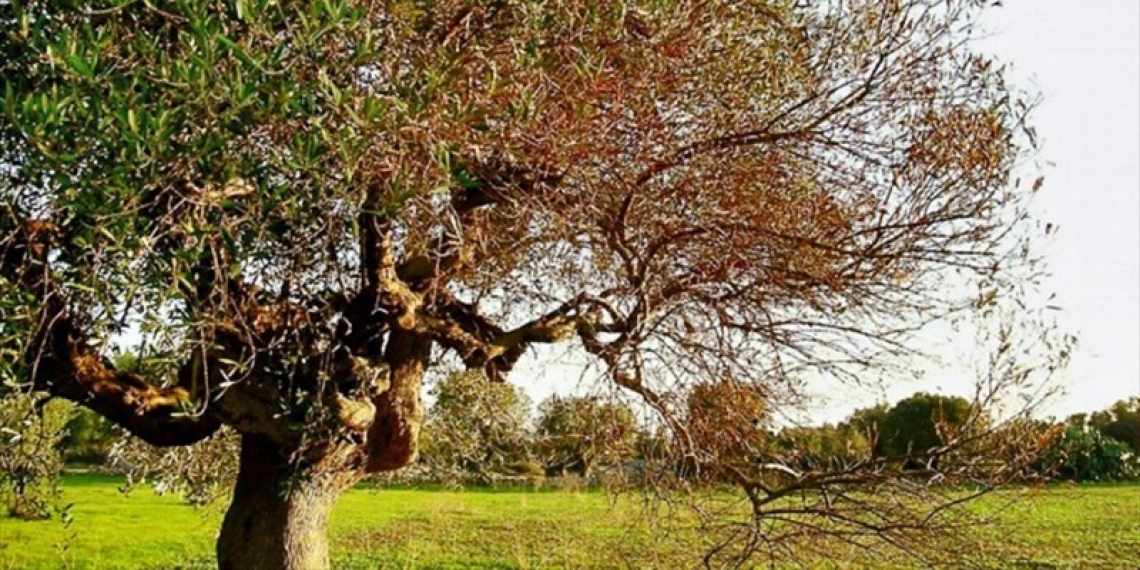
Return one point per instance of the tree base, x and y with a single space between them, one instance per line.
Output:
279 516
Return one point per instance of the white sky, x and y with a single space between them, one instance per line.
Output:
1084 58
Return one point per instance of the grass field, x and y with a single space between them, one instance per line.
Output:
1059 527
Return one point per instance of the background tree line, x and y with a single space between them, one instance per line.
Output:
490 433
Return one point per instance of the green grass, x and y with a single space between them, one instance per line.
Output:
110 530
1058 527
1071 527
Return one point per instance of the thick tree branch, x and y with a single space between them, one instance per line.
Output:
481 343
384 298
61 361
396 295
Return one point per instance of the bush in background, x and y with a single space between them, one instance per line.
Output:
1087 455
88 438
31 462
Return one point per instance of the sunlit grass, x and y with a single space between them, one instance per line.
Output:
1060 527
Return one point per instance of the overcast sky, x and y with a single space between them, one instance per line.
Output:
1084 59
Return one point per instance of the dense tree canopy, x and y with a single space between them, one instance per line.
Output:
725 427
1121 421
922 422
1084 455
301 205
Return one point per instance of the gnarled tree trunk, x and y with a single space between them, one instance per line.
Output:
279 516
278 519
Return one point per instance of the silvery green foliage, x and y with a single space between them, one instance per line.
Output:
201 473
475 431
30 457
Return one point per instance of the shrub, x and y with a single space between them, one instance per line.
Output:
1083 455
31 461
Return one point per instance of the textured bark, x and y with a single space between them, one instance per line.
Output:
279 516
394 433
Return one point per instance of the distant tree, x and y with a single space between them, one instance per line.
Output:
823 447
924 422
1079 420
653 444
869 422
1121 422
88 438
31 461
1082 454
476 430
579 434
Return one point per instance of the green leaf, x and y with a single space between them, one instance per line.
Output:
237 51
80 66
465 180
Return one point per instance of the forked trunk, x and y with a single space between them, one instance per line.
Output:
278 519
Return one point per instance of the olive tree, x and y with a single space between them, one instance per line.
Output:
31 460
922 422
200 474
475 430
1121 422
298 207
581 433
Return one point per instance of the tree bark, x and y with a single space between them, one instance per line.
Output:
278 519
394 434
